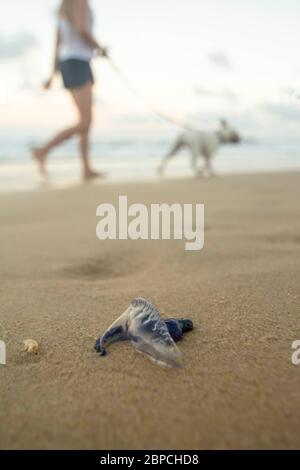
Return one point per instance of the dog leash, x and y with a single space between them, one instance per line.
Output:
134 91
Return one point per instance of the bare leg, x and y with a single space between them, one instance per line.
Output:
83 100
40 154
174 150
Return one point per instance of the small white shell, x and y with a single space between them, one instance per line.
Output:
31 346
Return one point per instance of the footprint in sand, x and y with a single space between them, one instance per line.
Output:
284 238
108 267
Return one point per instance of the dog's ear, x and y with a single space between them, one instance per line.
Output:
223 123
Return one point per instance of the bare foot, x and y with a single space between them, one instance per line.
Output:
40 158
92 175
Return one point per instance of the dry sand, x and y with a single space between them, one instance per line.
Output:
62 287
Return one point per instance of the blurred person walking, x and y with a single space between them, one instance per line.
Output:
74 49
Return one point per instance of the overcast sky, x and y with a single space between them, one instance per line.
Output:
194 59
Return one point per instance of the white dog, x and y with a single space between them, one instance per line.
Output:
202 144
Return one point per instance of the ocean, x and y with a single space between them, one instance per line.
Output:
127 159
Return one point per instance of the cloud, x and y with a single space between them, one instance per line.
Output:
291 93
16 46
246 121
226 95
285 111
220 59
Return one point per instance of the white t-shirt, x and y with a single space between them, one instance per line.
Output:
72 46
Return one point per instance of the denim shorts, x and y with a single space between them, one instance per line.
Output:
76 73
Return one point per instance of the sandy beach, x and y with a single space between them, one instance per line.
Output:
63 287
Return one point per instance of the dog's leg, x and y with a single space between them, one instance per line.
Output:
174 150
207 155
209 168
194 158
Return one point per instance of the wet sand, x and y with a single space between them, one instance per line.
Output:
62 287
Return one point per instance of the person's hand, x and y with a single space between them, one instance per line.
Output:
102 52
48 83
